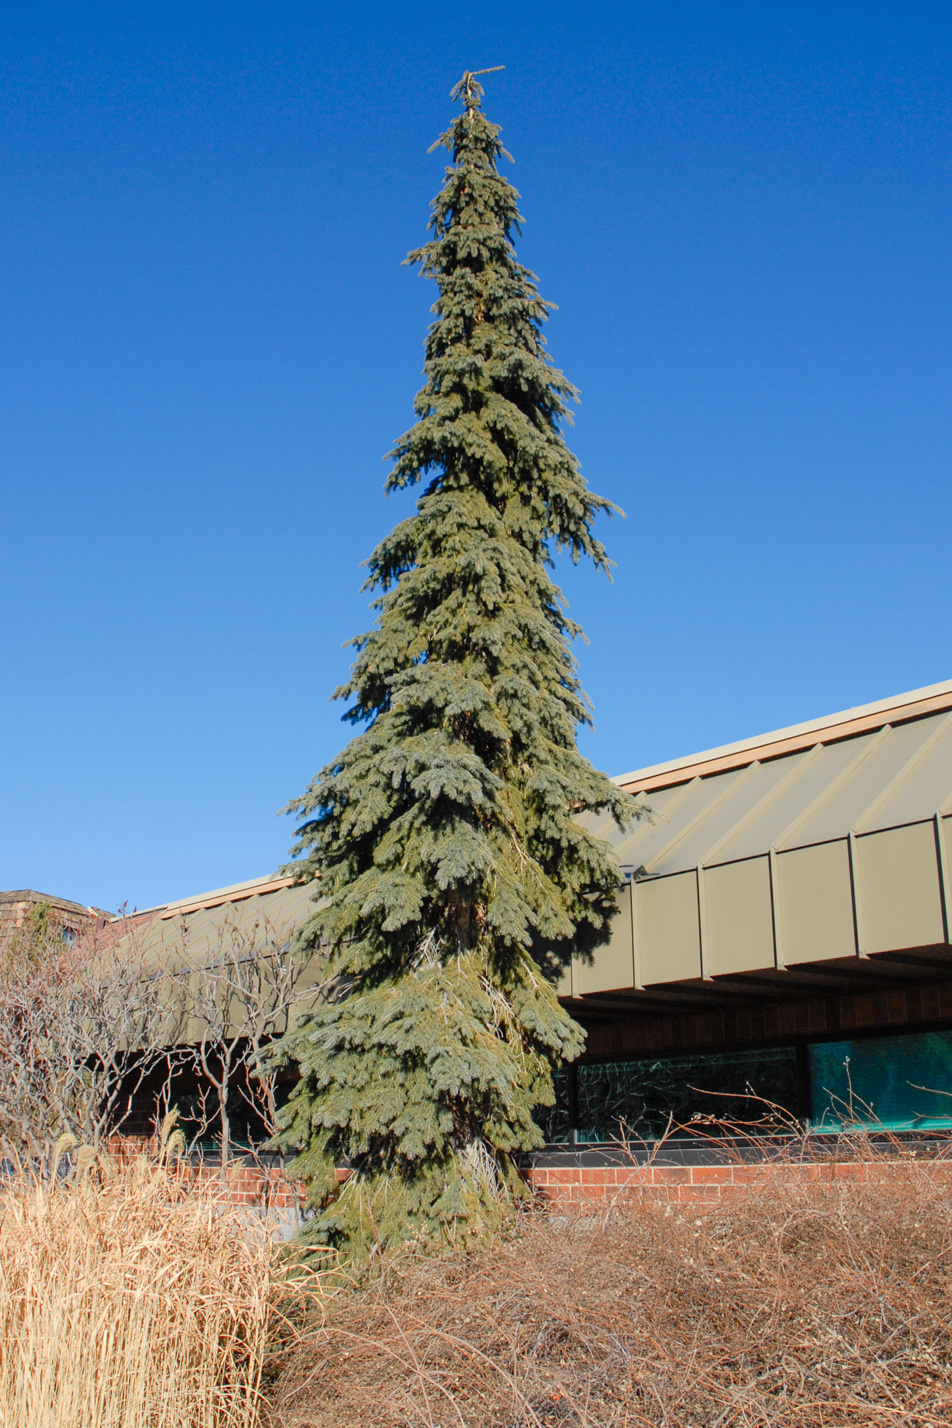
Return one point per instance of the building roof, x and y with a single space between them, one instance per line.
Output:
61 904
857 773
819 847
816 856
250 923
267 908
798 736
218 897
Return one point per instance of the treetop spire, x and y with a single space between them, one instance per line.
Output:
469 90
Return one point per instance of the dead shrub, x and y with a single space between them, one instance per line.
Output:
795 1304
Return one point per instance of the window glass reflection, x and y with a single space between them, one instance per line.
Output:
893 1082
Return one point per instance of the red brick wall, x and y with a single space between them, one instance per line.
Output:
257 1184
593 1186
598 1186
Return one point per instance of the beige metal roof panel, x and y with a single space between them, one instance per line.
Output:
877 779
798 782
749 788
684 807
837 809
601 825
922 787
645 839
203 929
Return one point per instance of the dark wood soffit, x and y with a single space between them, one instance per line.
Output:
857 974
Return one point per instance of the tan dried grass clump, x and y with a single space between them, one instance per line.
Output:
129 1299
797 1304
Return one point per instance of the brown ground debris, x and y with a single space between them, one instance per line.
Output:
810 1306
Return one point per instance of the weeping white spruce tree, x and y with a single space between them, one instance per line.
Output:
454 877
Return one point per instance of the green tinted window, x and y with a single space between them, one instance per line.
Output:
642 1098
555 1121
897 1082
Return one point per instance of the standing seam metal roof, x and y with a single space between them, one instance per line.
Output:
889 776
829 843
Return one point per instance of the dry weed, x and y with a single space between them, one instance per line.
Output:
806 1306
129 1299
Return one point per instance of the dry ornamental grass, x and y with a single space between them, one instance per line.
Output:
806 1306
129 1300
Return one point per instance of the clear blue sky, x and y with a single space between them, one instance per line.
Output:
208 343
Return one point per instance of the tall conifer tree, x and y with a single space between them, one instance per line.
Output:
454 877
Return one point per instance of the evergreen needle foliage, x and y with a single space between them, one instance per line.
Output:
455 878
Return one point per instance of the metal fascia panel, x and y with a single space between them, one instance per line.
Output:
669 939
897 887
739 923
816 903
